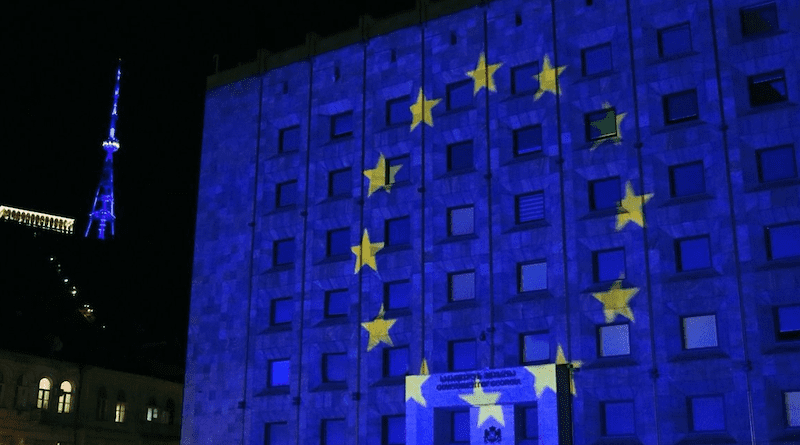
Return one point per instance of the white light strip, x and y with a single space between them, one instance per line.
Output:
55 223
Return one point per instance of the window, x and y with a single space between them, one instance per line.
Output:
278 372
692 253
286 194
675 40
791 400
699 331
604 193
534 348
459 427
336 303
460 220
102 403
119 409
396 294
168 415
523 78
783 241
459 157
776 163
339 242
706 413
687 179
529 207
462 355
152 410
65 398
461 286
459 95
43 397
340 183
609 265
395 361
281 311
527 140
597 59
759 19
768 88
393 431
680 107
601 124
787 323
532 276
289 139
276 433
527 423
618 418
283 252
397 232
614 340
342 125
402 175
333 432
334 367
397 111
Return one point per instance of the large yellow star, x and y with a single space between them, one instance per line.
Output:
421 110
378 330
483 75
548 78
615 301
630 208
608 125
562 360
365 253
486 403
544 376
414 388
377 176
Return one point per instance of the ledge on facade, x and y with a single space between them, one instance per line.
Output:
279 210
610 362
706 438
686 199
661 60
753 111
790 437
395 313
521 159
698 354
458 305
396 248
605 285
621 440
773 185
333 321
522 227
668 128
523 297
707 272
333 259
597 214
789 347
274 391
330 386
279 268
590 77
458 238
780 264
457 173
390 381
277 328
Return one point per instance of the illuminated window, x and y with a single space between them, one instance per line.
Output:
759 19
102 403
692 253
393 430
289 139
609 265
604 193
601 124
527 424
527 140
783 241
462 355
532 276
276 433
618 418
596 59
459 95
278 372
281 311
283 252
523 78
338 242
699 331
334 366
791 401
529 207
461 286
152 410
65 398
397 111
776 163
333 432
787 323
43 398
286 194
706 413
459 427
534 348
675 40
395 361
342 125
336 303
402 175
119 409
340 183
398 232
680 107
614 340
768 88
687 179
459 157
396 294
460 220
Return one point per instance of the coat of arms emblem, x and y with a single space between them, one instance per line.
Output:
492 435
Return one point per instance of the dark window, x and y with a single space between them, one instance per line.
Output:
601 124
342 125
768 88
283 252
461 286
532 276
394 430
675 40
462 355
604 193
618 418
529 207
692 253
706 413
459 95
278 372
340 183
527 423
459 156
281 311
453 38
680 107
523 78
609 265
396 294
528 140
334 367
776 163
791 401
336 303
787 322
783 241
614 340
699 331
534 348
460 220
289 139
286 194
517 19
459 427
395 361
402 175
333 432
398 111
687 179
339 242
596 59
102 400
276 433
759 19
398 231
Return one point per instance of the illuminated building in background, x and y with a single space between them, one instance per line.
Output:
402 227
38 220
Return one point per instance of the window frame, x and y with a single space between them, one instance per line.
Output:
325 429
458 87
517 201
520 70
329 252
333 184
268 433
596 264
328 368
335 119
271 378
523 348
385 429
598 47
450 220
273 310
65 397
516 133
685 335
754 33
397 101
673 180
665 99
403 160
276 252
679 253
43 394
282 139
604 417
789 335
768 238
661 34
520 275
786 409
691 410
600 329
593 201
389 231
769 78
280 193
327 304
451 345
452 417
588 120
760 165
387 294
460 146
450 283
387 361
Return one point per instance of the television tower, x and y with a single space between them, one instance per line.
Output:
103 207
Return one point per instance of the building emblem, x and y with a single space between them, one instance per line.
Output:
492 435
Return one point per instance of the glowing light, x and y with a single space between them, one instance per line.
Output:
38 220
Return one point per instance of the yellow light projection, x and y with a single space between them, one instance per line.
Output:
378 330
616 301
421 110
365 253
609 124
483 75
562 360
486 403
548 78
543 377
377 176
630 208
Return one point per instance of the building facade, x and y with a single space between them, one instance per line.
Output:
494 186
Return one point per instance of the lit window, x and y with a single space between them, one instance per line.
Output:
289 139
609 265
707 413
604 193
43 398
680 107
768 88
523 78
65 398
459 95
102 403
402 175
791 400
281 311
687 179
396 294
340 183
759 19
461 286
152 410
333 432
286 194
527 140
462 355
394 430
283 252
532 276
675 40
776 163
334 367
278 372
459 157
534 348
527 423
338 242
601 124
692 253
397 232
460 220
618 418
787 322
783 241
614 340
336 303
397 111
459 427
342 125
119 408
395 361
276 433
699 332
596 59
529 207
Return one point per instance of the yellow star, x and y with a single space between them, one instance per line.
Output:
615 301
377 176
610 124
544 376
630 208
486 403
421 110
414 388
548 78
562 360
423 368
484 74
365 253
378 330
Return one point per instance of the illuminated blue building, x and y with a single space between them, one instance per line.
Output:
608 185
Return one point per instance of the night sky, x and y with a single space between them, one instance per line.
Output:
56 86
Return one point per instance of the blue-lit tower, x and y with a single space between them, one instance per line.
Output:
103 207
